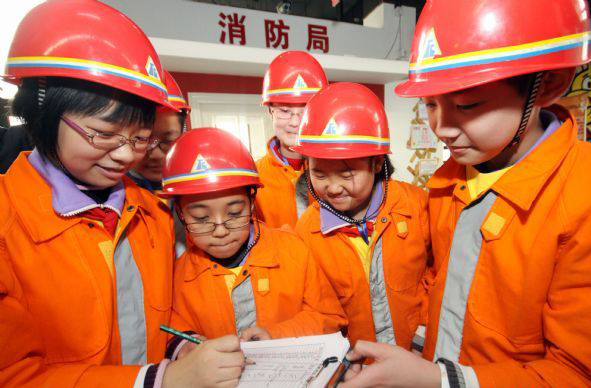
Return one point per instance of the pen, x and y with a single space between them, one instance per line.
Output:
180 334
193 339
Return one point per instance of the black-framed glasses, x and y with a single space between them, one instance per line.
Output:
285 114
164 146
111 141
209 227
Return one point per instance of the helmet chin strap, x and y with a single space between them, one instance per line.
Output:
534 88
41 90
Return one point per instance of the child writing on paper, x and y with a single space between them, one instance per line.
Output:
370 234
240 276
510 211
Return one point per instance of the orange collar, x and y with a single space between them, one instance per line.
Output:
31 198
396 203
529 175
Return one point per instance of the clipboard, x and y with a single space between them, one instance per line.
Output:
304 362
338 376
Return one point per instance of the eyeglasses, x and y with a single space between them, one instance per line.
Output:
209 227
285 114
111 141
164 146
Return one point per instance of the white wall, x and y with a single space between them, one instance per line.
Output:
192 21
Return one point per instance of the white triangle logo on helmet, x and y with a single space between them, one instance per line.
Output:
300 83
429 47
151 69
331 129
200 164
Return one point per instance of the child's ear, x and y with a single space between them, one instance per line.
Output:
378 162
252 194
554 84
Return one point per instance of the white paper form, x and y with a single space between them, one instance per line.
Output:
292 362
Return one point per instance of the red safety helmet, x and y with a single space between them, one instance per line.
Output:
469 43
344 121
293 78
204 160
175 95
88 40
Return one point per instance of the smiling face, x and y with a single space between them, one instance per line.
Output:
95 167
218 207
286 122
167 128
346 185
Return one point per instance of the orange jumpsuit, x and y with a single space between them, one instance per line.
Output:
277 203
402 227
291 294
527 314
59 323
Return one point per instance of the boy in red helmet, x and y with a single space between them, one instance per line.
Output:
510 215
239 276
291 80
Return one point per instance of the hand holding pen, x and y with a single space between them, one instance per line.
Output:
393 367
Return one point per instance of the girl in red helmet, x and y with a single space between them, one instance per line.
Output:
291 80
369 233
85 255
239 275
510 211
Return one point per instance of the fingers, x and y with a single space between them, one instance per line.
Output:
229 343
354 369
247 335
255 333
368 377
365 349
231 360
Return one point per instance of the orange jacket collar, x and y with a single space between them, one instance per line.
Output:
34 207
396 203
530 174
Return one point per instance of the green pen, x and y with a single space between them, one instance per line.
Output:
180 334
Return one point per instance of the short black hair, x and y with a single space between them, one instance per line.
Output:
74 96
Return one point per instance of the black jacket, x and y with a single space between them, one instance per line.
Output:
13 140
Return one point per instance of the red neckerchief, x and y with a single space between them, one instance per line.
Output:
108 217
354 231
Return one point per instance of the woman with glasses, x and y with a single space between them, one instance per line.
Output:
168 126
238 276
86 256
291 80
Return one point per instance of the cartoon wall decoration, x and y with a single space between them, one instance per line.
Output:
578 101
